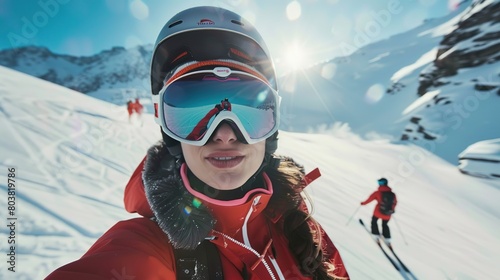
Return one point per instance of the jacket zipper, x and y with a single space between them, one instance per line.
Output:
247 240
247 217
248 246
264 262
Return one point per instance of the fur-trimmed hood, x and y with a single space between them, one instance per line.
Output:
156 190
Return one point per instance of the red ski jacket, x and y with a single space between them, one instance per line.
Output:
247 232
377 195
138 108
130 107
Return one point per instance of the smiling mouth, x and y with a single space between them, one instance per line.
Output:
225 162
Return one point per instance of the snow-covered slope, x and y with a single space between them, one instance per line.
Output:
481 159
73 155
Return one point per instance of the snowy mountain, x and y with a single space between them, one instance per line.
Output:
403 87
71 156
116 75
460 89
436 86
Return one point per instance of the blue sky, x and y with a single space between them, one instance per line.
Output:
314 28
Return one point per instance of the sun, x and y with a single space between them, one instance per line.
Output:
295 57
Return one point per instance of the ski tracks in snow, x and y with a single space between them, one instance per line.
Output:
66 156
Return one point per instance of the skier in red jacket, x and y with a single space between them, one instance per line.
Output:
222 187
135 107
130 109
386 205
138 108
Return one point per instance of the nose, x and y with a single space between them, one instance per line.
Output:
224 134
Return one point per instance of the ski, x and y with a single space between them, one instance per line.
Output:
393 262
402 264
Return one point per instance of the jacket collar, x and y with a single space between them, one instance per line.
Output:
384 188
230 220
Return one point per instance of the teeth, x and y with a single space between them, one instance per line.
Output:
224 158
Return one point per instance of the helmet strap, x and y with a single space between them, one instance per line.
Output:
270 161
272 143
173 146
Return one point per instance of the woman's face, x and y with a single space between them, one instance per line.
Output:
224 163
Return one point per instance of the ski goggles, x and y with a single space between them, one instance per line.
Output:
190 106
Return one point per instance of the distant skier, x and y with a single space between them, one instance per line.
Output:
130 109
138 108
386 205
135 107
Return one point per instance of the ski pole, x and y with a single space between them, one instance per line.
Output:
357 209
400 230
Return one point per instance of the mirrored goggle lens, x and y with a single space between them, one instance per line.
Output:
191 104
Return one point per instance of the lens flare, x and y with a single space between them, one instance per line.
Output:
293 10
196 202
374 93
139 9
328 71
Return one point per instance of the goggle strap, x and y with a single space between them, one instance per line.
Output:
272 143
232 64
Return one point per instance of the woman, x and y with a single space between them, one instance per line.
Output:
213 185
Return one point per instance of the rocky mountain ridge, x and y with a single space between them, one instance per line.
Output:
111 69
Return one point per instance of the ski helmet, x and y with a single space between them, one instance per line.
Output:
208 33
382 182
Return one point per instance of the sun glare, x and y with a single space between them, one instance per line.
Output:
295 57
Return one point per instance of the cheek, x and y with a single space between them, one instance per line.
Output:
260 149
190 154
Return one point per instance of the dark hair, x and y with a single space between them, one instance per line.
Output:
300 229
